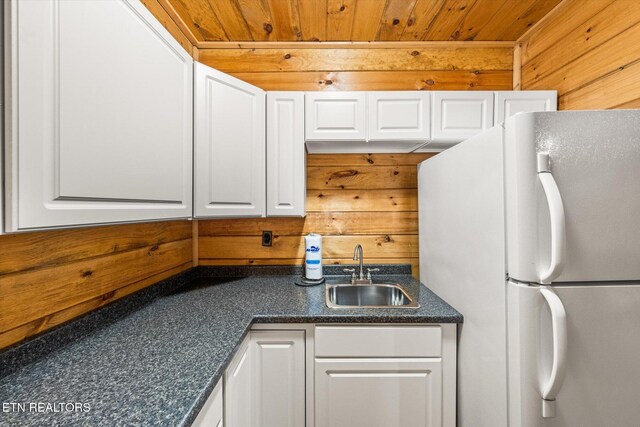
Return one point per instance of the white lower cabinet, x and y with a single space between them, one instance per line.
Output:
385 375
378 392
238 388
211 414
279 369
265 382
303 375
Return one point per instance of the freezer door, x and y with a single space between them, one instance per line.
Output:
602 372
593 167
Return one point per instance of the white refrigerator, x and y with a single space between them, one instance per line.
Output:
532 231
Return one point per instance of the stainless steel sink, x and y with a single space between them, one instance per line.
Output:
378 295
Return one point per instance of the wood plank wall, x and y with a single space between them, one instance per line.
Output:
589 51
430 66
50 277
351 198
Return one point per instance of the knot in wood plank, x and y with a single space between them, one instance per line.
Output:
345 173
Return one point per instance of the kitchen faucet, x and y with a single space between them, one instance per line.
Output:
358 255
359 279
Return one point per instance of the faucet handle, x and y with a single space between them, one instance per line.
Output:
352 271
371 270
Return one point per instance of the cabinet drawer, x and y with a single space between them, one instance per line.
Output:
378 341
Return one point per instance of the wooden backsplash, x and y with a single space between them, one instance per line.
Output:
49 277
351 198
587 50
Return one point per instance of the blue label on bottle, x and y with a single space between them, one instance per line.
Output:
313 249
313 261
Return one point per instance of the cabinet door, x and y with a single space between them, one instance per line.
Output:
279 366
460 115
399 116
100 124
286 173
229 156
239 389
509 103
335 116
211 414
378 392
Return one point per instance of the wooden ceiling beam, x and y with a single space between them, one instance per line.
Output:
355 45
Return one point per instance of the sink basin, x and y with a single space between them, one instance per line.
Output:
379 295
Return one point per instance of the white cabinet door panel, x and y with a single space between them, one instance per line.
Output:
286 168
460 115
378 392
211 414
99 133
331 116
239 388
229 150
509 103
399 116
279 366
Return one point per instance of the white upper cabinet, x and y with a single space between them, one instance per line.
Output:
229 147
509 103
100 123
335 116
399 116
460 115
286 182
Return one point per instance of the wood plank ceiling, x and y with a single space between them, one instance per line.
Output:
206 21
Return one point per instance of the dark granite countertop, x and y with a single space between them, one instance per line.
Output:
154 358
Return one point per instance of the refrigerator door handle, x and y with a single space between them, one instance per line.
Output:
559 364
556 212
